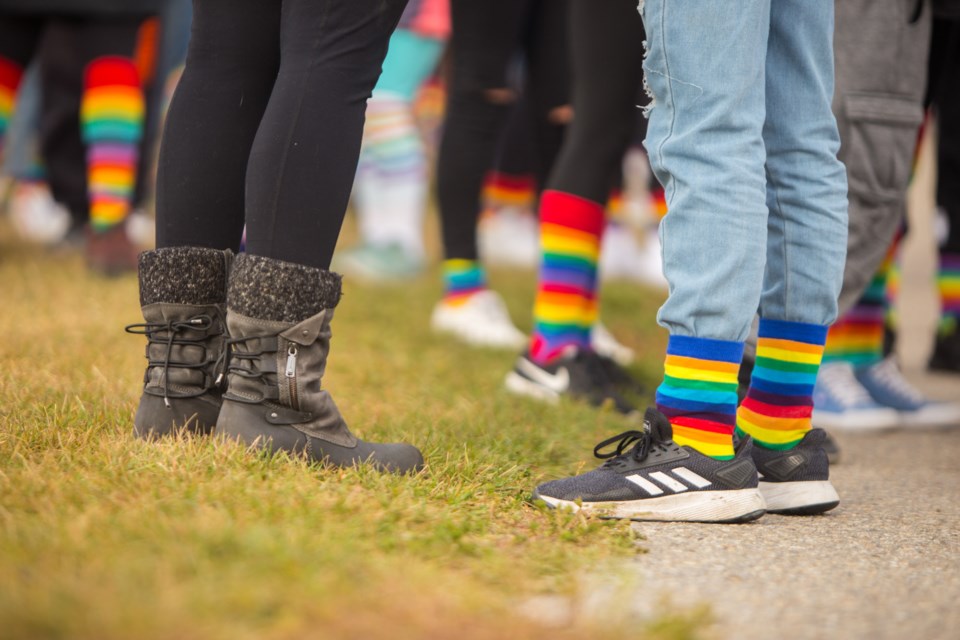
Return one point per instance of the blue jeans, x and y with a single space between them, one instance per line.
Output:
742 138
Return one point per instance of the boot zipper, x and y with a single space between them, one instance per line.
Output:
290 373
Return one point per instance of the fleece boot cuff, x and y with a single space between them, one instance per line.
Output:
269 289
184 275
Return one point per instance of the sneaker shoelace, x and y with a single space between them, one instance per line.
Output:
843 386
169 334
888 374
629 444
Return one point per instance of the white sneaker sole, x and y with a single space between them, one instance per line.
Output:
475 337
740 505
799 498
936 415
515 383
865 421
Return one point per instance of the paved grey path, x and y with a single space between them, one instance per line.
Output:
885 564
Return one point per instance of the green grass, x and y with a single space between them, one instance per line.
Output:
103 536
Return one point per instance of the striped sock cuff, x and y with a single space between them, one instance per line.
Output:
10 76
507 189
461 279
699 393
616 207
857 337
565 307
658 202
948 285
779 402
111 115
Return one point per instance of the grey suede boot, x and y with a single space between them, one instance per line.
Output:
279 321
183 294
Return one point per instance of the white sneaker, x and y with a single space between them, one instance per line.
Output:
510 237
624 257
481 321
840 402
36 216
605 344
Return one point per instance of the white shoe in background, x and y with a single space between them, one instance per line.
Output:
509 237
624 257
482 320
604 344
36 216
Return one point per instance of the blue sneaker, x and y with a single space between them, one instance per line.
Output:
887 386
840 402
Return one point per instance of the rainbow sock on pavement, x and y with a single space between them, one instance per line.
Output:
565 308
776 412
948 284
461 279
111 117
857 337
699 393
10 76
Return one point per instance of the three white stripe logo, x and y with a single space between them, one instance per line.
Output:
664 481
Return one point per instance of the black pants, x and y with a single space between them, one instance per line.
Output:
606 45
944 90
487 35
64 46
266 122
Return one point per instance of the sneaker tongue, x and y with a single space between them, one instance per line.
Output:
658 425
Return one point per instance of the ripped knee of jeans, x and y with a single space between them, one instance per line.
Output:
646 86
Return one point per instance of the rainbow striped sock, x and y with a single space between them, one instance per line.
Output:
616 207
857 337
776 412
948 284
699 393
461 279
658 201
565 308
503 189
111 116
10 75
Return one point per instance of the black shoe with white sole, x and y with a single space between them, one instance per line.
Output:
650 477
621 379
797 481
577 373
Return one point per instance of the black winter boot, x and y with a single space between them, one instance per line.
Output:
279 321
183 293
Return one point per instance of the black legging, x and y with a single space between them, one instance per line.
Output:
487 35
606 44
64 45
266 122
944 94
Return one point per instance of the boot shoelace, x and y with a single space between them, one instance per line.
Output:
232 361
172 329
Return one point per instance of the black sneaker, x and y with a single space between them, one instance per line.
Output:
622 380
832 449
946 353
577 373
657 479
797 481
